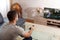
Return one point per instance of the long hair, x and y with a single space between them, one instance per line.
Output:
17 7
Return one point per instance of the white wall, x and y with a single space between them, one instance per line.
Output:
29 3
39 3
52 3
5 4
4 7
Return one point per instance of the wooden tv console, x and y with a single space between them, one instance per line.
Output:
45 21
53 22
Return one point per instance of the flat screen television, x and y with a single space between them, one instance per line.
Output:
52 13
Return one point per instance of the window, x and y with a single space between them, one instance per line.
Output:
4 7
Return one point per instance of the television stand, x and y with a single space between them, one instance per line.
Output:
53 22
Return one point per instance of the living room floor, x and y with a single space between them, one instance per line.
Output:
43 32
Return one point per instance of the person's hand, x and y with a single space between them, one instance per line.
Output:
32 28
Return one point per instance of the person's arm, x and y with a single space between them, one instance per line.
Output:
28 34
23 33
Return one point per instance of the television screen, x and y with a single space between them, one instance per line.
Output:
51 13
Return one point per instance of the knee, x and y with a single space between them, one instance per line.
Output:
29 38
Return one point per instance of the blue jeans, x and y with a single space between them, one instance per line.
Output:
30 38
